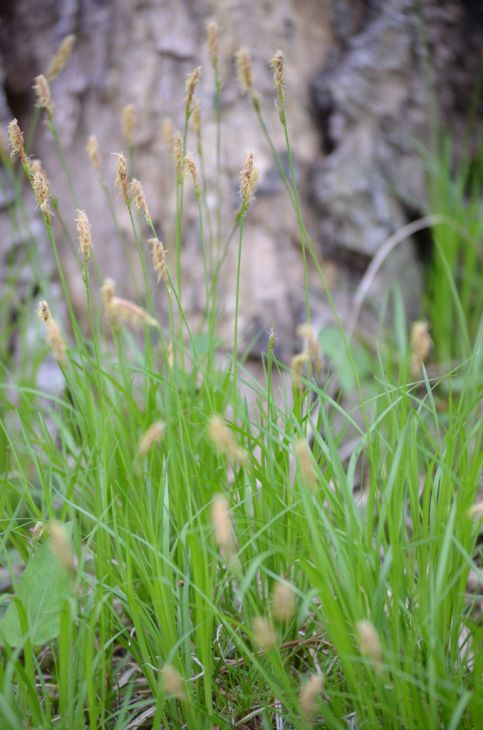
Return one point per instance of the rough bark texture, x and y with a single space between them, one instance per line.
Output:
357 98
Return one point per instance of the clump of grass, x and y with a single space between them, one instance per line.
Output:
242 570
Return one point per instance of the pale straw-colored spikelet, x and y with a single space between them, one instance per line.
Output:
41 188
476 511
60 545
309 694
244 70
173 682
191 165
264 636
222 439
212 31
140 199
297 364
223 527
369 644
60 57
192 80
128 123
171 355
37 531
121 176
44 97
92 149
196 118
284 604
276 63
160 264
54 336
121 311
306 332
248 180
420 345
152 436
84 234
178 151
305 463
167 132
15 136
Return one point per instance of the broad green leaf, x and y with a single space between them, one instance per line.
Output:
42 589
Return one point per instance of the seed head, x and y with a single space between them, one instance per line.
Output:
121 177
306 332
41 188
140 199
248 180
276 64
54 338
420 345
244 71
196 118
84 234
167 132
264 637
60 57
191 165
160 265
37 531
178 149
283 602
222 527
212 30
298 364
108 292
190 86
152 436
305 462
222 439
44 98
173 683
309 695
121 311
15 137
128 123
369 644
60 545
92 150
476 511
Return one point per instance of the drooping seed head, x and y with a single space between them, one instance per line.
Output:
248 180
276 63
92 149
54 337
44 98
244 70
140 199
173 683
264 636
128 123
223 527
420 345
192 80
123 312
84 234
41 188
191 165
15 137
60 545
369 644
152 436
160 264
309 695
222 439
284 604
306 332
297 364
108 292
60 57
212 30
121 177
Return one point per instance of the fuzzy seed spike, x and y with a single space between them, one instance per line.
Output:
61 57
